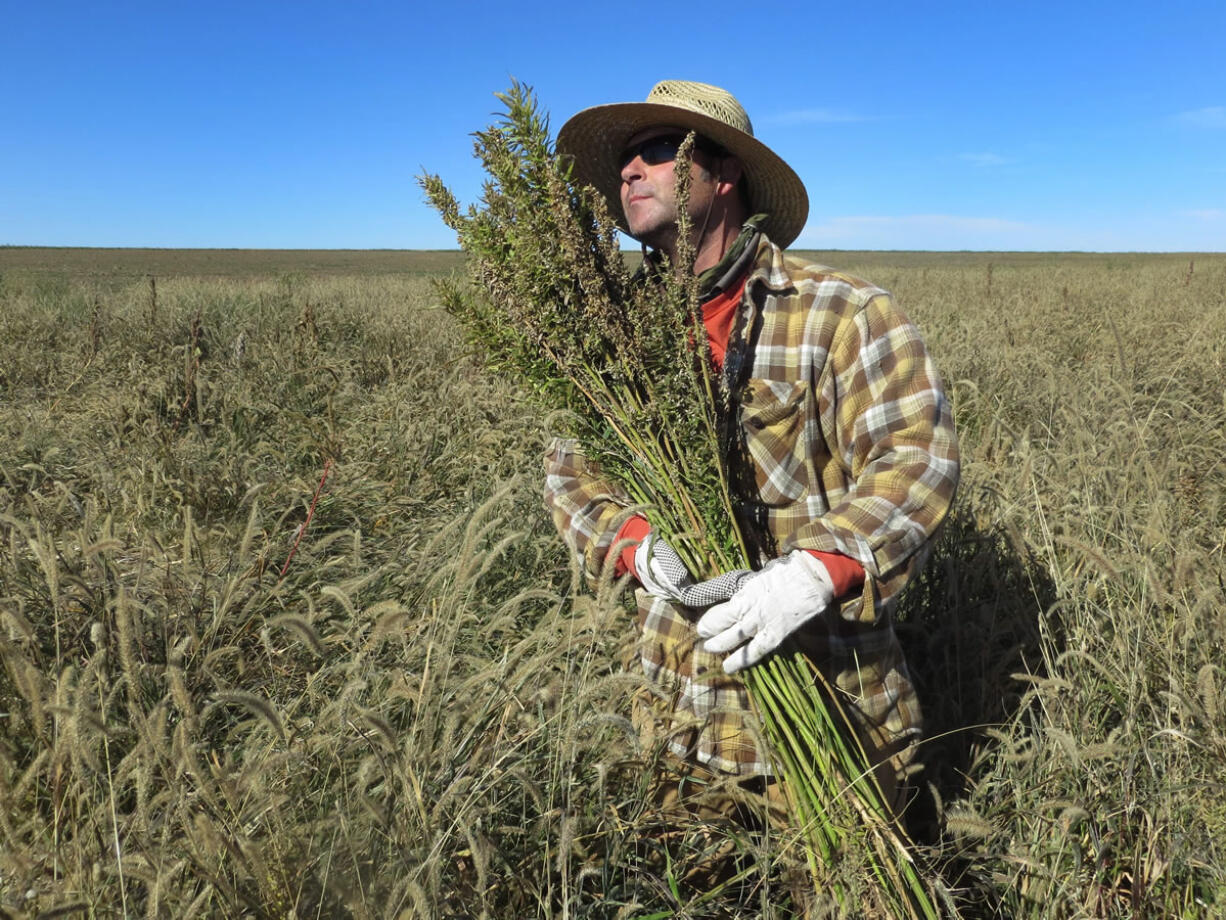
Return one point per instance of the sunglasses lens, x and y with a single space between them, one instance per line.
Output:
659 150
653 151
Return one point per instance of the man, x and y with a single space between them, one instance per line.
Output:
839 442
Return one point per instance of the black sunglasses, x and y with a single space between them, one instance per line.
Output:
663 149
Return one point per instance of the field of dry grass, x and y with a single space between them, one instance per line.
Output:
124 265
405 707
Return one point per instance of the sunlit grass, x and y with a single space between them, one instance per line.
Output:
426 717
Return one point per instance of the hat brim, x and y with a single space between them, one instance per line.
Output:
595 138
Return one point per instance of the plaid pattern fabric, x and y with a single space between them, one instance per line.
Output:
841 440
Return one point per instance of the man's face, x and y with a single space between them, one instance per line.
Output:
648 192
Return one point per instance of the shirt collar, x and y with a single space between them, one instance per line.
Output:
728 271
770 268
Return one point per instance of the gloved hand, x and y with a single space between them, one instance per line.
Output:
770 606
659 569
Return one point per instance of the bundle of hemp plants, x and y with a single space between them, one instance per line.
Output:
555 308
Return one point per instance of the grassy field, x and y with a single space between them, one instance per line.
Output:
286 632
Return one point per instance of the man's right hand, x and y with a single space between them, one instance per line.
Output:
660 570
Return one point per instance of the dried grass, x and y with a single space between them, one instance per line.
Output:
424 717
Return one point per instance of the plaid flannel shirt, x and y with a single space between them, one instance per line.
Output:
841 439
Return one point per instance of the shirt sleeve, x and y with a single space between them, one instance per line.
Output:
632 533
846 575
894 433
588 509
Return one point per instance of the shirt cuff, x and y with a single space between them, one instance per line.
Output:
635 529
846 574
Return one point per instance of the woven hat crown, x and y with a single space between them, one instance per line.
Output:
704 99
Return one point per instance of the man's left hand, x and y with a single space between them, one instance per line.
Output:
770 606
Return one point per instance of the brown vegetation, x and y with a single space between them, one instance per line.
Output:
425 717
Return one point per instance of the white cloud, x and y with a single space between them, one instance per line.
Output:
1148 232
931 221
919 231
984 160
1204 213
1213 116
811 117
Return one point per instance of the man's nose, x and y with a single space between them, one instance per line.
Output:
633 169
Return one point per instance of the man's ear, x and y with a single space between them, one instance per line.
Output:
730 171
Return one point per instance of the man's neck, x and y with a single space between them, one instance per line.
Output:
713 245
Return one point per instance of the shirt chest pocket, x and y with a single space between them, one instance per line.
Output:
773 421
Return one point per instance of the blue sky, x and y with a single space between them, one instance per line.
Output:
987 125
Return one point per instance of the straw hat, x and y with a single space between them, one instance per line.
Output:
596 136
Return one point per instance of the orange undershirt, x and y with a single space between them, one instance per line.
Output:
718 314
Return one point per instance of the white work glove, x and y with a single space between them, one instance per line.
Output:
661 572
659 569
770 606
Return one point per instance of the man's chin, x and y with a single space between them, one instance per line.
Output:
655 237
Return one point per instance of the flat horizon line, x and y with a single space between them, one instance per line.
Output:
458 251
